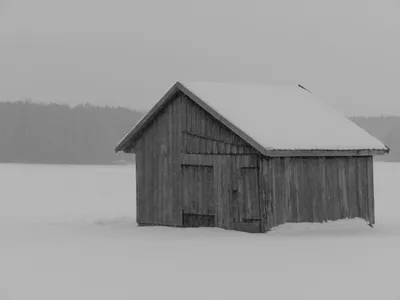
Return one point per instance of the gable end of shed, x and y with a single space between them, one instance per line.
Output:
201 129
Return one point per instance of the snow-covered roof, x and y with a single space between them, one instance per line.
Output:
276 117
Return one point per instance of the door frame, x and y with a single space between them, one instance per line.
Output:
196 215
254 225
219 163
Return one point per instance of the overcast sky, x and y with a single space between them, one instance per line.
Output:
127 52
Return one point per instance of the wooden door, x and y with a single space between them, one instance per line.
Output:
198 196
245 203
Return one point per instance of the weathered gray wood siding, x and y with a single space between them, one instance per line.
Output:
158 168
202 134
209 144
166 185
316 189
224 186
189 163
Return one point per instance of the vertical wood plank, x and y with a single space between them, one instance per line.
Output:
266 176
208 134
152 184
359 188
307 200
273 191
159 156
180 122
235 211
278 190
169 172
314 183
364 177
183 124
227 178
218 190
371 198
262 195
336 189
211 203
279 185
241 191
221 136
361 173
295 193
323 214
287 189
148 187
174 140
348 187
201 131
344 208
140 167
352 188
302 192
329 189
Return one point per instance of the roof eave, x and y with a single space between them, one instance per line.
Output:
325 152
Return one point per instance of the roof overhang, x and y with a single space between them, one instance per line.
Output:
327 152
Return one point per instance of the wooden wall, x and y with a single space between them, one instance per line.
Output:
317 189
158 167
166 185
202 134
191 168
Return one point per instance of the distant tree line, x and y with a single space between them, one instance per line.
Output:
87 134
60 134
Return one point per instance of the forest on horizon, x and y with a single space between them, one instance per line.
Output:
60 134
87 134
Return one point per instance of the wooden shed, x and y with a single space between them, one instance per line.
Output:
249 157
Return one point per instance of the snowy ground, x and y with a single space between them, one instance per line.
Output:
68 232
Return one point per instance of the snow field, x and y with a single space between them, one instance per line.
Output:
68 232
